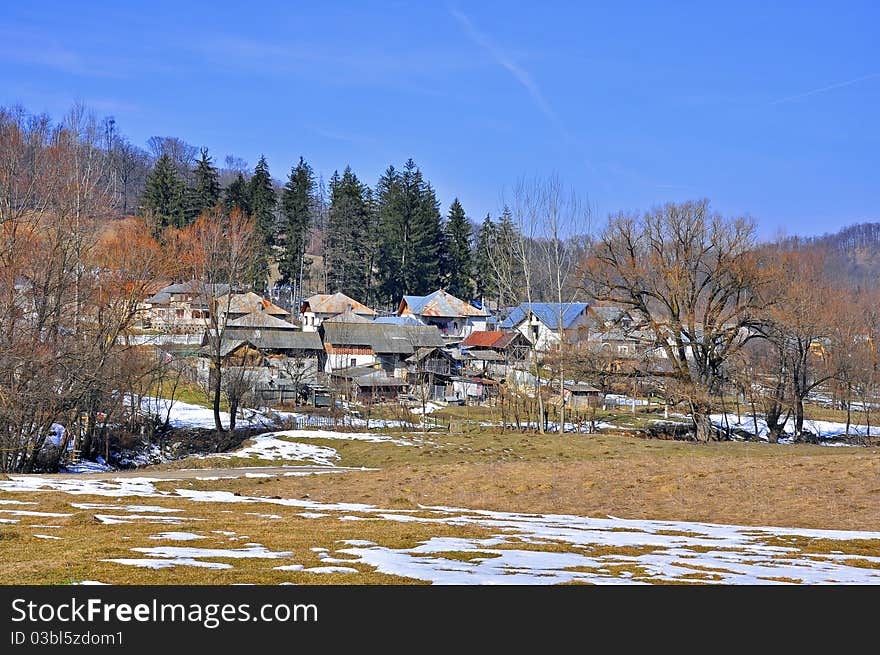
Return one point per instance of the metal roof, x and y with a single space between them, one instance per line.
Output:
382 338
483 339
348 316
193 287
409 319
335 303
439 304
246 303
271 339
548 313
260 320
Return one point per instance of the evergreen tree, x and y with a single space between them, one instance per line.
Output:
410 234
262 201
206 187
484 272
508 267
348 224
165 196
457 259
297 206
237 195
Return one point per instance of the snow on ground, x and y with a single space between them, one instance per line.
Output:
270 447
176 536
823 429
181 414
86 466
372 437
429 408
600 550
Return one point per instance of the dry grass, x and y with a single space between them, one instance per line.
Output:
587 475
598 475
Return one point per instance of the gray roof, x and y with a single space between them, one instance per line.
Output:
581 387
192 287
269 339
348 316
258 319
382 338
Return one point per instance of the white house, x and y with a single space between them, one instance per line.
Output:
545 323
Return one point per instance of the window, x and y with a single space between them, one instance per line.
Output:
352 362
179 313
623 350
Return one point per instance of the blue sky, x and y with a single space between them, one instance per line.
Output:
767 111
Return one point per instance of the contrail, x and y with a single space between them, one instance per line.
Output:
823 89
506 62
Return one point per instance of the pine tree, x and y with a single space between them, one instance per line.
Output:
457 259
206 188
484 272
262 201
348 224
410 234
165 196
237 195
297 205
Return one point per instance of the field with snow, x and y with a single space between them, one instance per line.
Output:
146 530
410 506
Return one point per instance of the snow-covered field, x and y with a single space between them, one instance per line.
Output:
522 548
822 429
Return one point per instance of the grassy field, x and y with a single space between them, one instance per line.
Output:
618 475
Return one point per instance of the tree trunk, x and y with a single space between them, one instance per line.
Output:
703 430
218 425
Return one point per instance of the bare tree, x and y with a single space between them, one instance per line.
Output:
219 254
691 276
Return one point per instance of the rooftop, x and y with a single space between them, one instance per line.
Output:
335 303
438 304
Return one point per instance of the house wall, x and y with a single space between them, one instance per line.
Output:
339 357
546 338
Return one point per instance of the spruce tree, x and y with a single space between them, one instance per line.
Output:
457 259
206 187
165 197
410 233
237 195
348 224
262 201
297 205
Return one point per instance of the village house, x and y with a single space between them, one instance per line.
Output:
351 342
580 395
180 308
367 384
547 324
430 372
280 358
454 317
320 307
494 353
236 305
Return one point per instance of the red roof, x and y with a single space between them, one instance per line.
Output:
483 339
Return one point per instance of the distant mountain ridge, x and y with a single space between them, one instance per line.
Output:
853 253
